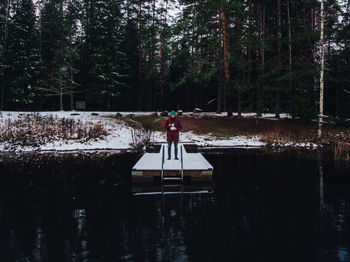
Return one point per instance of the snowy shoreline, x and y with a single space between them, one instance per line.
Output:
119 137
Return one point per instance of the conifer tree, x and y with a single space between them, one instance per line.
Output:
103 39
58 48
24 55
4 30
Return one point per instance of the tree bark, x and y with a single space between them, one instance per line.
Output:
279 58
161 83
61 88
310 28
249 53
226 46
193 53
241 57
87 51
259 56
290 79
196 89
219 66
161 73
71 70
320 118
263 48
149 82
226 55
152 82
139 93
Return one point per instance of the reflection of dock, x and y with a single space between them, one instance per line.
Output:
172 189
154 166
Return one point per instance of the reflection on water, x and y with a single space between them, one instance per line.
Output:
263 208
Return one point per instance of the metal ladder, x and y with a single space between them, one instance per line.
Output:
168 179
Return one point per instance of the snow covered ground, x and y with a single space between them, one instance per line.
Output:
120 135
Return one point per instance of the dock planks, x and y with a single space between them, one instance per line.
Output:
150 166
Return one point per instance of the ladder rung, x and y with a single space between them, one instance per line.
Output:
172 178
175 192
172 185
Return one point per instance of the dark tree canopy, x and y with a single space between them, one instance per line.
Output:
219 55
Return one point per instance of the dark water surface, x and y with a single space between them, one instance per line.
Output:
264 208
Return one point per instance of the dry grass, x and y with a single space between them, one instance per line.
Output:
35 130
341 151
273 132
140 138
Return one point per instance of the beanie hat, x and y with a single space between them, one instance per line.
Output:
172 112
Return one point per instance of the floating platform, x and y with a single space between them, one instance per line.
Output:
155 166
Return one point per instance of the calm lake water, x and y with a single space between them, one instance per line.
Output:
263 208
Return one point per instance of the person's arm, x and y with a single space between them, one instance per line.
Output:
166 126
179 126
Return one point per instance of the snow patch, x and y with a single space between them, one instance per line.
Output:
120 135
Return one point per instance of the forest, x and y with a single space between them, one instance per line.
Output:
151 55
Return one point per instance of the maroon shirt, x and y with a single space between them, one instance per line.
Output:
173 135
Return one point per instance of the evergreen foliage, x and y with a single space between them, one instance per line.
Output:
220 55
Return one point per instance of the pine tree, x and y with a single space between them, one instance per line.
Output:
58 49
71 19
131 55
53 50
130 47
338 59
4 23
105 58
199 52
320 119
24 54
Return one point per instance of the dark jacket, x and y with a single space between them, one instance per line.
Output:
173 135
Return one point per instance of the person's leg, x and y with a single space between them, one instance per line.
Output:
169 150
175 144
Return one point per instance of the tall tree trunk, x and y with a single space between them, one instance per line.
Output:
161 84
315 79
310 28
153 93
188 91
279 58
87 51
71 100
219 66
259 52
108 101
249 53
241 58
149 82
196 89
139 92
193 54
61 88
263 50
226 56
290 79
161 73
320 118
71 70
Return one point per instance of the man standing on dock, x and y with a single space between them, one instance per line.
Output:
173 127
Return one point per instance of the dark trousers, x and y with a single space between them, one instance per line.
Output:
169 149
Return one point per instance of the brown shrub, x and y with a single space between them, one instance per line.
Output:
35 130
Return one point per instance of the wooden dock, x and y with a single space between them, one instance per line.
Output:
155 166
